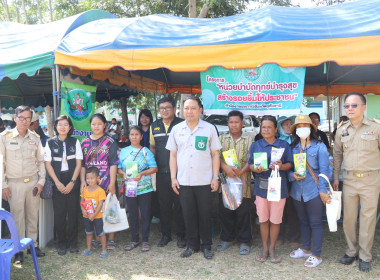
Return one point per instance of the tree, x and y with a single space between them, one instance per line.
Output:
4 3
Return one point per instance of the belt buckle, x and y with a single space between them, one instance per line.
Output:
26 180
359 175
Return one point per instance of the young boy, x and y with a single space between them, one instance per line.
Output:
97 195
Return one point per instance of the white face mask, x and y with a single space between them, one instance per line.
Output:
303 132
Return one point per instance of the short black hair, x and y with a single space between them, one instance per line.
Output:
135 127
268 118
1 122
113 119
235 114
23 108
169 99
93 170
61 118
195 98
357 94
147 113
99 116
315 113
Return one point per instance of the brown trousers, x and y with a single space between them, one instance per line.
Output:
364 190
24 208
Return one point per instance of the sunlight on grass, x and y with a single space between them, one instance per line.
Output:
132 277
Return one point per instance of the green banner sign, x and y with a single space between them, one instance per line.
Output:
268 89
78 102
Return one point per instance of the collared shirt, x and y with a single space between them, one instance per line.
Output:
64 164
262 146
23 156
358 147
241 147
318 158
194 160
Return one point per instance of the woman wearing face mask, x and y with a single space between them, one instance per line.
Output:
308 193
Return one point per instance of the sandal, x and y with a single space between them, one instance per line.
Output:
261 257
245 249
86 253
275 258
95 244
103 254
314 262
299 253
132 245
145 247
224 245
111 245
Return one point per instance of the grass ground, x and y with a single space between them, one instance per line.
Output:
165 263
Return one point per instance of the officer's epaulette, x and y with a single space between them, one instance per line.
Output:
376 120
5 132
35 134
342 123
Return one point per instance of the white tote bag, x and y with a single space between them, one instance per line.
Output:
274 185
333 209
109 224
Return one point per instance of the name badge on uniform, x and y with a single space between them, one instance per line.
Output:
344 132
14 142
201 143
32 143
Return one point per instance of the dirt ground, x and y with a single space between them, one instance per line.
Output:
165 263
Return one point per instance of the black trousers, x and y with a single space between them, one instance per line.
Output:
168 200
66 205
196 207
236 223
290 218
142 202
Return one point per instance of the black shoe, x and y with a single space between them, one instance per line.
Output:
364 266
207 253
188 252
181 242
74 250
19 258
347 259
164 241
62 251
39 253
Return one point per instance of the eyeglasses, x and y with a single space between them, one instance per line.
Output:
63 125
165 108
353 106
22 119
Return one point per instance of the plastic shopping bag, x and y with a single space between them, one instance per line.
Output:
116 218
334 208
232 193
274 185
111 209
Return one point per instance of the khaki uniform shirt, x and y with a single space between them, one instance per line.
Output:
241 147
23 156
194 160
358 147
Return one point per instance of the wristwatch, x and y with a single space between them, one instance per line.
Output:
215 177
73 181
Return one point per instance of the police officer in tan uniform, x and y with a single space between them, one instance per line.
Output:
357 144
24 175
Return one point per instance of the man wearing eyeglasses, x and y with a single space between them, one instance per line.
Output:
24 175
167 199
357 144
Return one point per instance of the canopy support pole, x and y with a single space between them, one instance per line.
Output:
328 112
58 86
53 74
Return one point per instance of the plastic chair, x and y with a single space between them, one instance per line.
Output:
9 247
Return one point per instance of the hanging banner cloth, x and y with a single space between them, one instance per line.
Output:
78 102
269 89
